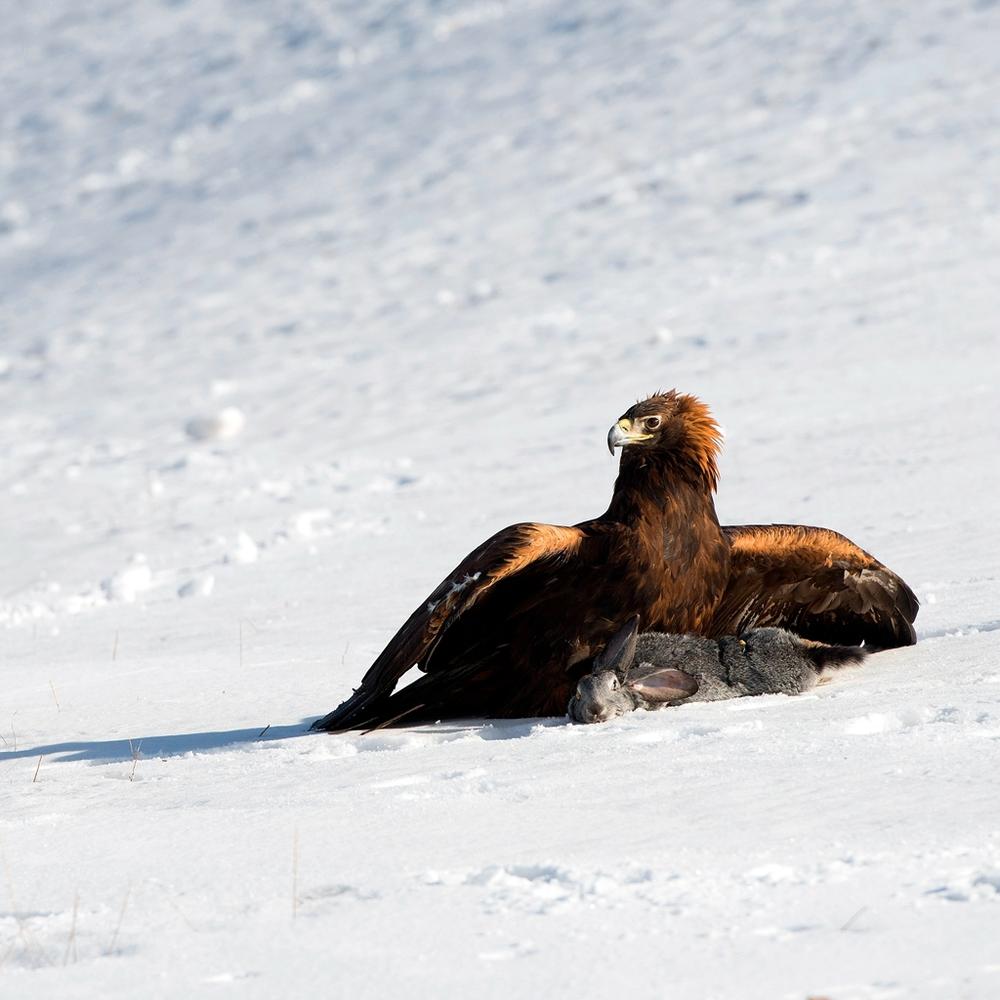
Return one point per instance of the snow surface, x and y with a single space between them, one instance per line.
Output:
299 302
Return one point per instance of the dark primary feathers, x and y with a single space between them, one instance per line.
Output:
509 632
467 629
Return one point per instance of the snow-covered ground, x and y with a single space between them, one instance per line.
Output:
300 301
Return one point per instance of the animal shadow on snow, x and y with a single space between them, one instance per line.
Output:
172 745
178 744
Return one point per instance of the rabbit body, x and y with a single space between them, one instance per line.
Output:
656 669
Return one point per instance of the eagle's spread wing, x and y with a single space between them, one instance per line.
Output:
491 569
816 583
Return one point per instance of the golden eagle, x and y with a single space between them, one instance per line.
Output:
513 627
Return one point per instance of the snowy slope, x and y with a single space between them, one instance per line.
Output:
421 256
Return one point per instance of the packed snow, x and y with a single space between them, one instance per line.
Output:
299 302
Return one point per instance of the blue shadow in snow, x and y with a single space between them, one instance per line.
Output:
178 744
174 745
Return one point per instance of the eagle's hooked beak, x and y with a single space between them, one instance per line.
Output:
622 434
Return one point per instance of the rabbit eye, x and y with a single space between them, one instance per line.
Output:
614 684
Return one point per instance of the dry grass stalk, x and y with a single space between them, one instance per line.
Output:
71 940
135 757
121 917
295 873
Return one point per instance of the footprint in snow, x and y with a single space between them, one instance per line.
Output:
889 722
519 949
981 886
222 426
544 888
405 782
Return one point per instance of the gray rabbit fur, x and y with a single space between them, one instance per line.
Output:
656 669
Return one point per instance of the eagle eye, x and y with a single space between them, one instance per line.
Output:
651 423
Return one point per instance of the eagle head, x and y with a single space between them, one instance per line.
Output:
670 423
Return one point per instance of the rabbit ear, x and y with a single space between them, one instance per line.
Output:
619 653
668 684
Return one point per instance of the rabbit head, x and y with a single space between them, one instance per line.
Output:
614 686
601 694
